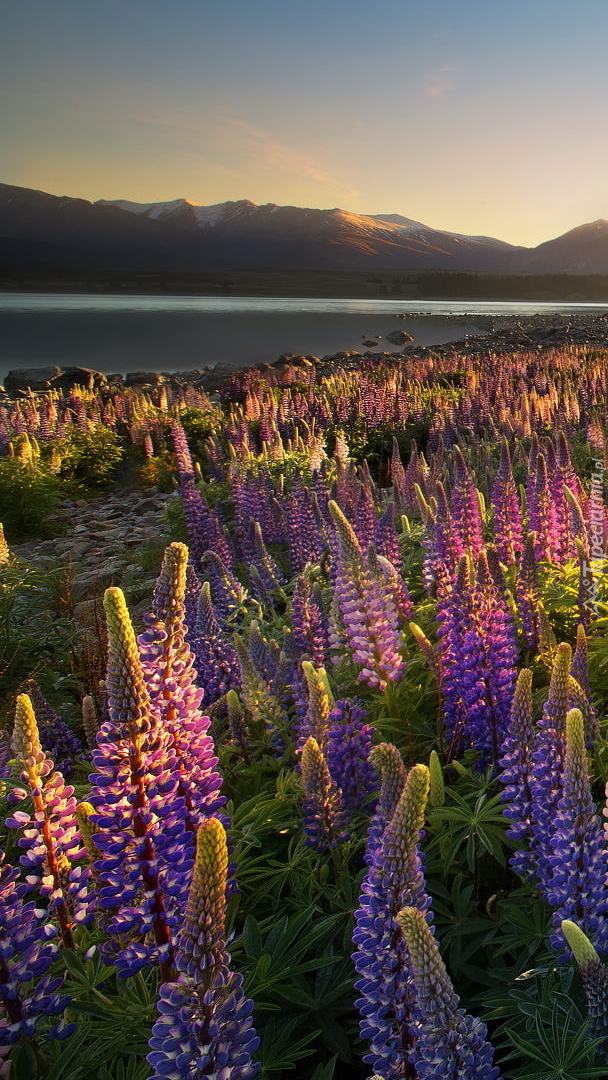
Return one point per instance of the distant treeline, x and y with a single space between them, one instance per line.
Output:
514 287
405 284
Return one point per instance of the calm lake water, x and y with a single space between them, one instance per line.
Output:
179 333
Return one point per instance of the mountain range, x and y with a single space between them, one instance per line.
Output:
42 230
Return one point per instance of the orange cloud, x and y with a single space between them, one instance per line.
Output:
285 158
441 83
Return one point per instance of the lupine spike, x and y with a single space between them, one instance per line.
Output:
90 720
577 887
594 977
394 880
449 1042
4 548
437 788
204 1028
320 702
388 763
324 819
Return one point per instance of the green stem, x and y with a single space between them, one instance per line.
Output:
389 699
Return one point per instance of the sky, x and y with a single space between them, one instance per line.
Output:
484 117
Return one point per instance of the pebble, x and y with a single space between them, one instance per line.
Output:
97 539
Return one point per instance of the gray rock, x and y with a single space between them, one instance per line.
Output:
399 337
46 378
94 582
143 378
32 378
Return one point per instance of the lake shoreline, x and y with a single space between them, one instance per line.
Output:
498 334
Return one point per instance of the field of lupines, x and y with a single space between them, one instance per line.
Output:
337 807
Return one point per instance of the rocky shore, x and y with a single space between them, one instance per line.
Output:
497 333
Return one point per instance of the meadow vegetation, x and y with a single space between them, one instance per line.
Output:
338 809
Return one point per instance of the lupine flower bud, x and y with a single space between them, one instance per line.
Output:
449 1042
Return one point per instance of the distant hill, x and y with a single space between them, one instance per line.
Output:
42 230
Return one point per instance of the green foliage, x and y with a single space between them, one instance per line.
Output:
29 496
90 458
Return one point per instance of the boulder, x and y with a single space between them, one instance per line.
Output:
143 378
31 378
399 337
52 377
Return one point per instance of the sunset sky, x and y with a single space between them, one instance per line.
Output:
474 116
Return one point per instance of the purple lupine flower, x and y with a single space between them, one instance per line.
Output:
27 950
577 888
527 595
204 1029
264 654
227 593
477 652
263 707
309 622
215 660
594 977
305 543
394 880
546 780
266 569
349 744
167 664
367 611
508 529
449 1042
134 795
50 838
516 775
320 702
322 807
56 738
384 570
580 672
386 760
191 600
541 520
466 516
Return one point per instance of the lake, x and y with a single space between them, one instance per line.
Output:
178 333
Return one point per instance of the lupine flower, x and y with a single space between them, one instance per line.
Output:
516 775
464 507
477 654
323 809
216 662
320 704
309 622
167 664
257 697
90 721
50 839
578 886
57 739
386 760
526 593
204 1029
27 950
227 593
594 976
546 780
349 744
395 879
505 505
580 672
4 548
368 613
449 1043
134 794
